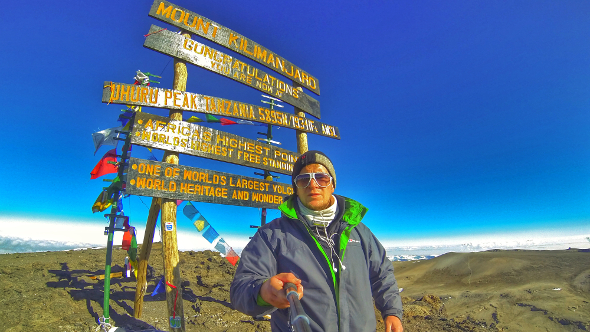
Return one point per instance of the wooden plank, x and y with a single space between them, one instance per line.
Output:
168 208
204 27
179 136
144 256
186 49
130 94
157 179
102 276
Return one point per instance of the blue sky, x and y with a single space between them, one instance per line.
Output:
457 118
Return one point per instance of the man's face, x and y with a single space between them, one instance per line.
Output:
313 197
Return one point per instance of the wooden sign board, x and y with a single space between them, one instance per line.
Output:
129 94
204 27
186 49
157 179
172 135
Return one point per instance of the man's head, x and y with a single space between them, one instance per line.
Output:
314 180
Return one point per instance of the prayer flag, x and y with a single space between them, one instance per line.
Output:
134 108
120 221
160 289
104 167
222 246
120 205
246 122
226 122
232 257
126 244
132 251
135 267
105 137
190 211
201 223
123 117
219 247
268 140
102 202
210 234
211 118
194 119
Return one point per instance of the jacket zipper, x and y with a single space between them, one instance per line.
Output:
334 281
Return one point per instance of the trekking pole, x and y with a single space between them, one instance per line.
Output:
299 319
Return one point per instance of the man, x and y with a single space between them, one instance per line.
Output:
320 245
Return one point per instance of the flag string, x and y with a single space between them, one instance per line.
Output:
175 298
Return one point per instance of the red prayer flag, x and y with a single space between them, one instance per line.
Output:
127 236
232 257
103 167
225 122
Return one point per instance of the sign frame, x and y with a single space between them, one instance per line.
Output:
136 95
163 133
192 22
164 180
204 56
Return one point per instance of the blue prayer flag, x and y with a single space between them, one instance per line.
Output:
210 234
159 288
190 211
124 120
222 246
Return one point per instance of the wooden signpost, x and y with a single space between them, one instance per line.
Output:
168 181
186 49
189 138
156 179
130 94
204 27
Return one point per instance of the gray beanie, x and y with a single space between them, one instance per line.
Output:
312 157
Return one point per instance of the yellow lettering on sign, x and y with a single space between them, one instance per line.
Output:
153 96
258 53
188 41
167 95
270 59
124 92
245 46
204 27
140 182
289 73
162 10
173 15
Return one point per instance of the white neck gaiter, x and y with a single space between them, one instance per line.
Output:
321 218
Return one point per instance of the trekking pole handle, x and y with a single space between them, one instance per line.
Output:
299 319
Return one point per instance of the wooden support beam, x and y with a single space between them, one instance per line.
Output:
301 136
302 146
144 256
168 220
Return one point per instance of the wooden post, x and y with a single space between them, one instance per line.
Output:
169 243
302 146
144 256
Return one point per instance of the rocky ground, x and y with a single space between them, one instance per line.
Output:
490 291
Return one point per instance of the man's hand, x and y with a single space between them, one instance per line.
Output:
393 324
272 290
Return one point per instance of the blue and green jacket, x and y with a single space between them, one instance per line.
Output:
339 301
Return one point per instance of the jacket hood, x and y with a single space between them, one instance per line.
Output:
353 210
